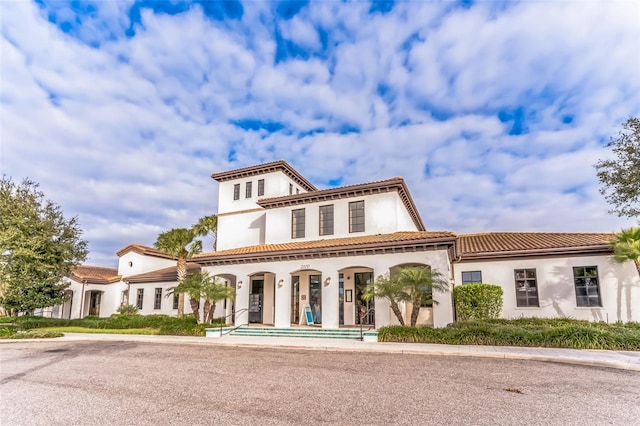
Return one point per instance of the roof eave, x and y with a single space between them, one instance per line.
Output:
595 249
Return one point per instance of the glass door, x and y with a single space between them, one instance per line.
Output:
362 280
255 301
315 298
295 299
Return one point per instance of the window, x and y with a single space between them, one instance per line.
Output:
260 187
297 223
526 288
175 301
247 191
326 220
140 296
297 190
471 277
236 191
356 216
290 188
157 301
587 288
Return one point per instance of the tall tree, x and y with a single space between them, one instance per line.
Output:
620 176
38 246
182 244
626 246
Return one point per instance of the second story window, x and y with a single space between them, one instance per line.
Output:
247 192
297 223
326 220
236 191
356 216
290 188
260 187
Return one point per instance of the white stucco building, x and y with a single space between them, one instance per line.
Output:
287 247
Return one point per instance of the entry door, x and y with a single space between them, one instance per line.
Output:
295 299
255 301
315 298
362 280
94 304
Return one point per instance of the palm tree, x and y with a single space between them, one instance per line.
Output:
181 244
626 246
387 288
213 292
418 284
200 285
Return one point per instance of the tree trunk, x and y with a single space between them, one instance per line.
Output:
205 311
182 273
212 311
396 310
415 309
195 307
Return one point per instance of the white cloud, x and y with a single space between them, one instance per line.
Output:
126 135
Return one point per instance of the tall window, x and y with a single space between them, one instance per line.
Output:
236 191
175 301
526 288
587 287
471 277
157 300
247 192
326 220
297 223
139 297
356 216
260 187
290 188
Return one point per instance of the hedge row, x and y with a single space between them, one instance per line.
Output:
561 333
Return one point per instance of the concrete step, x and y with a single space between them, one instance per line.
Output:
351 334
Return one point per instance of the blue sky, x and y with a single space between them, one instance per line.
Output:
493 112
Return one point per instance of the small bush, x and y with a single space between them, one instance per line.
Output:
128 310
478 301
35 334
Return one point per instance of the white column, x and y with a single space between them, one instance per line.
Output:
242 300
282 316
330 304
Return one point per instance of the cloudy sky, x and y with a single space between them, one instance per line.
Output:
494 112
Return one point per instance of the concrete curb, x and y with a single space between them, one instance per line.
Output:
623 360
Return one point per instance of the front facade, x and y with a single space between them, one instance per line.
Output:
299 255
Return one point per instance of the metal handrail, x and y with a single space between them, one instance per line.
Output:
361 318
232 314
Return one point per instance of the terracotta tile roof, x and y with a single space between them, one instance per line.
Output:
259 169
160 275
95 274
377 187
509 244
140 249
335 244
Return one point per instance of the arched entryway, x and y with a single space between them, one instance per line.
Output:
353 309
306 291
261 298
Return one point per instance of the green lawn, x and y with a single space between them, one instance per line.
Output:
147 331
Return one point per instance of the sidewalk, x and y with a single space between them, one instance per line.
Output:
626 360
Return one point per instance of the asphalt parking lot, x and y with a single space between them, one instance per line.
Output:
133 383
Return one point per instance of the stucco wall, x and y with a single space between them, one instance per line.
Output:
240 230
133 263
381 212
619 287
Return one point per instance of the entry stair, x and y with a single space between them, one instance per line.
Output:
307 332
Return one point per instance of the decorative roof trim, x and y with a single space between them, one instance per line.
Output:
169 274
144 250
374 248
261 169
351 191
556 251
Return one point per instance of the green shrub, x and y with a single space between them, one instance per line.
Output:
128 310
36 334
478 301
537 332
